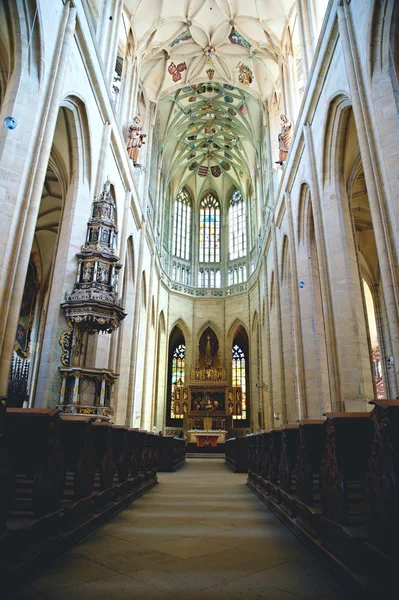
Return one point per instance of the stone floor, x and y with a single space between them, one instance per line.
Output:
199 535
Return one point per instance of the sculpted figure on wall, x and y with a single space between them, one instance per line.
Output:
284 139
135 140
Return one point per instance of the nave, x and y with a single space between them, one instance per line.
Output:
200 534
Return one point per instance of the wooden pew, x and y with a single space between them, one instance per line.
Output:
347 447
171 454
265 462
133 453
310 454
37 478
275 450
35 450
76 435
237 454
382 483
120 452
5 474
287 467
104 464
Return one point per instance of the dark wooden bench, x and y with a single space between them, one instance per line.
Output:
237 454
76 435
287 467
382 483
104 464
171 453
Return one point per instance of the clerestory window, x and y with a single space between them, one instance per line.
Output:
182 225
237 226
209 233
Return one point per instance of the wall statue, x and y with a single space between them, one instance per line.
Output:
284 138
135 140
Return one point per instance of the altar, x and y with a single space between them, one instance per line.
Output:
209 439
208 404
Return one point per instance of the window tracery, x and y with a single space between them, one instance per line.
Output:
237 226
178 366
209 233
182 225
239 379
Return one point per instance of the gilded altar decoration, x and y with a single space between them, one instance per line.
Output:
94 305
245 75
135 140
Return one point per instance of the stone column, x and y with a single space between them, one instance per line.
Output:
305 35
378 214
279 350
135 330
60 62
332 403
299 364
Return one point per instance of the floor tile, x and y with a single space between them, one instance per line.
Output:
200 534
69 570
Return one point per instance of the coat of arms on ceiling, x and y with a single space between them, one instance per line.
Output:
182 37
236 38
216 171
176 71
245 75
203 171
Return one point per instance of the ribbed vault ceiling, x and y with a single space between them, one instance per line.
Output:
210 66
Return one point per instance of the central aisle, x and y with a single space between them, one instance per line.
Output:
199 535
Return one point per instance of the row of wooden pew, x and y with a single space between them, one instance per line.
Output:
237 454
335 483
61 476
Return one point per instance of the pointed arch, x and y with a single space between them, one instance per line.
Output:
338 108
152 312
143 291
77 110
161 322
182 325
284 259
236 326
304 199
177 367
272 291
210 325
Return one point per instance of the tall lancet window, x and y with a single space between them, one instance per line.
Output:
178 365
237 226
182 225
239 381
209 234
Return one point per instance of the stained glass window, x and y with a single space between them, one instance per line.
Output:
209 234
178 399
239 381
182 225
237 226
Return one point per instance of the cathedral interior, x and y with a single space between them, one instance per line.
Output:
199 268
